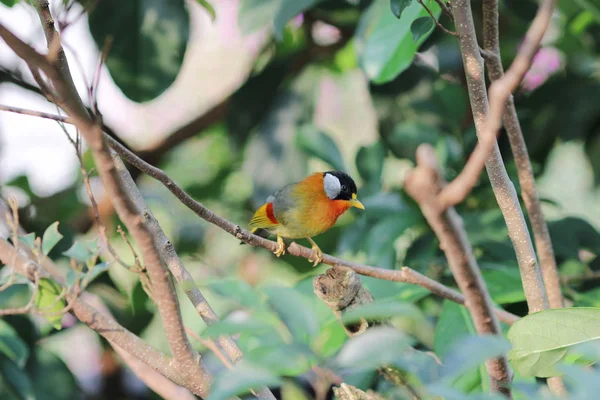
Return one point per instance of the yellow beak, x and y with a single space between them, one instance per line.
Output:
355 203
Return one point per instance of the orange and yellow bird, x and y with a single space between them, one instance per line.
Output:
305 209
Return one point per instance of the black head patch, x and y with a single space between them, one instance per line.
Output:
347 185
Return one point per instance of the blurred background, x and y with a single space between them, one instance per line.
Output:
263 95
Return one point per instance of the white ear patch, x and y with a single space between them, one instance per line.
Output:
332 185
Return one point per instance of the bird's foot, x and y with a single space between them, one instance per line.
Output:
318 255
280 247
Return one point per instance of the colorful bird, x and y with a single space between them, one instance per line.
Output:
305 209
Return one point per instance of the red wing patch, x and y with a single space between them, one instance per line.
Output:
271 214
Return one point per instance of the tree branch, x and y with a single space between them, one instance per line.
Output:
103 324
423 184
68 99
503 188
405 274
491 43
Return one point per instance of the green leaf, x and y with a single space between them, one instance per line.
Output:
504 283
97 270
421 27
295 311
398 6
51 237
543 339
288 10
9 3
374 348
28 240
256 14
382 236
240 379
208 7
12 345
407 136
79 251
149 39
369 162
15 380
283 359
45 301
386 42
571 234
454 324
249 326
236 290
318 144
53 380
471 352
379 310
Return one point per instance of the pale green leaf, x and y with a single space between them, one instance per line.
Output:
240 379
372 349
28 239
379 310
209 8
295 311
79 252
45 301
50 238
97 270
543 339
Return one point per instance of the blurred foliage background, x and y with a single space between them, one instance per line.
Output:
293 87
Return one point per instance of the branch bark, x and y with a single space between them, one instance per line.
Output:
65 96
101 323
405 274
503 188
515 74
423 184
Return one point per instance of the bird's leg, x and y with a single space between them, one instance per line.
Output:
280 247
318 253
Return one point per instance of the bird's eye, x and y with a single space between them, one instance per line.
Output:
344 188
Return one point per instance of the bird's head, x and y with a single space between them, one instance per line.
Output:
339 185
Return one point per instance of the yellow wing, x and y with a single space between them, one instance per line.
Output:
263 218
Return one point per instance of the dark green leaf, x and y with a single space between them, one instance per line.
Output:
459 360
374 348
239 380
454 324
318 144
208 7
288 10
28 240
149 39
543 339
421 27
13 379
398 6
295 311
11 344
9 3
46 301
383 235
386 42
407 136
369 162
51 237
504 283
53 380
571 234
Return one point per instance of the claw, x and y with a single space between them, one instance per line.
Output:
318 253
280 247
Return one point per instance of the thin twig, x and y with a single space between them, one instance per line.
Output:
405 274
435 20
445 8
212 346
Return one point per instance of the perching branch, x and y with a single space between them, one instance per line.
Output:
405 274
504 191
423 184
491 43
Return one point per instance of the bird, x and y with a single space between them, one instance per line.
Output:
306 209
